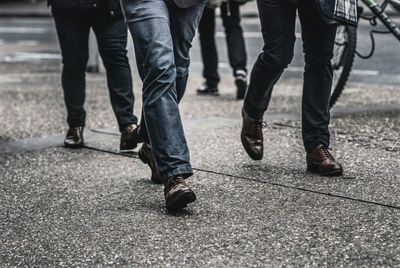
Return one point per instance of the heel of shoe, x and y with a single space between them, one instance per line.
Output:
241 87
312 168
142 157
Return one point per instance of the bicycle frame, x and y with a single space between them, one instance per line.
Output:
378 11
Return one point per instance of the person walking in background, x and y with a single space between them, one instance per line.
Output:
74 19
230 14
162 33
278 19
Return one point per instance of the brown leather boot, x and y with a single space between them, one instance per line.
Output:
177 193
147 157
74 138
129 138
320 161
252 136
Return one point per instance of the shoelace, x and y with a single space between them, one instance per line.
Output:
326 152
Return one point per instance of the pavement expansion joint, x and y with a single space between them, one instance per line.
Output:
281 185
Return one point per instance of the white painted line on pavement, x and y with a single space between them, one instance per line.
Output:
298 69
250 35
24 30
27 43
365 72
18 57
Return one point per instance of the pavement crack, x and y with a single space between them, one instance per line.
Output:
276 184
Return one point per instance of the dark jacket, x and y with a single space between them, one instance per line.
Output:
113 7
344 11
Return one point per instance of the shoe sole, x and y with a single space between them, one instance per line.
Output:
216 94
181 200
73 146
241 89
249 152
334 173
129 146
146 161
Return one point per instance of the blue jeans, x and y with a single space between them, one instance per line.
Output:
278 20
162 34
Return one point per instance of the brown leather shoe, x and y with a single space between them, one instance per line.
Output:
147 157
74 138
252 136
320 161
129 138
177 193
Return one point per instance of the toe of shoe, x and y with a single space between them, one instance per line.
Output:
180 200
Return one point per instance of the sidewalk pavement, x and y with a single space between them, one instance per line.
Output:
94 206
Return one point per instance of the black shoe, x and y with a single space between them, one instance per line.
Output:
320 161
74 138
177 193
252 136
206 89
241 84
129 138
147 157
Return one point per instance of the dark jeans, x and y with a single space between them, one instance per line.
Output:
234 39
162 34
73 34
278 29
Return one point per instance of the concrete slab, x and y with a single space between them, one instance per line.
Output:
80 207
371 159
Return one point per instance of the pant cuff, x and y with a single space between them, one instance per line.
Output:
186 171
123 124
253 113
310 146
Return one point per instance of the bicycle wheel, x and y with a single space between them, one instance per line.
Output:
343 57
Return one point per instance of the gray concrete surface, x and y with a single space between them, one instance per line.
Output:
92 206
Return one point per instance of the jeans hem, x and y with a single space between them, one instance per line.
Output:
126 123
309 147
74 125
185 171
253 113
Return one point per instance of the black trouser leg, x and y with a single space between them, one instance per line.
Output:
111 37
278 28
73 34
318 42
208 47
234 36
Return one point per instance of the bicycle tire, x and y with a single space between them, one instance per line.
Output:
346 63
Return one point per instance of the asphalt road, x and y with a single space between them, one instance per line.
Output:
35 39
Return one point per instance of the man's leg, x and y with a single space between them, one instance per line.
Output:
184 22
318 42
278 29
234 36
73 36
149 23
208 53
236 46
208 47
111 37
